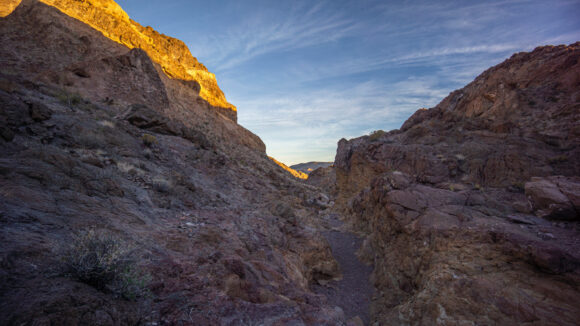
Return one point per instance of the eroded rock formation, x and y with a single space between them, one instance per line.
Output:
470 209
95 135
171 54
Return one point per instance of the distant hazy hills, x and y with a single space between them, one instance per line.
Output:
310 166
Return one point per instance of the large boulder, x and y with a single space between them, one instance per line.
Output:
555 197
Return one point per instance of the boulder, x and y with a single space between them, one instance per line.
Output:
144 117
549 201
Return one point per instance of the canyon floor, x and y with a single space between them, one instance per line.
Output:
354 291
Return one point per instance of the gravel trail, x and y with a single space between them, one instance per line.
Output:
354 291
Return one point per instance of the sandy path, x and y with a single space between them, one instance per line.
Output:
353 293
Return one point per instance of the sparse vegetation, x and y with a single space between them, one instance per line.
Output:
92 139
103 261
373 136
460 157
129 168
148 140
107 123
69 99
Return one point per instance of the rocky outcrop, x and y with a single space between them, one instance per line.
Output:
58 50
94 136
555 197
324 178
171 54
454 204
296 174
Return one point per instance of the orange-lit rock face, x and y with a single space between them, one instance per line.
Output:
296 174
172 54
7 6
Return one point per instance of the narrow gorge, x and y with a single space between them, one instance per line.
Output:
130 195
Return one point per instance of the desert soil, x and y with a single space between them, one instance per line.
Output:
354 291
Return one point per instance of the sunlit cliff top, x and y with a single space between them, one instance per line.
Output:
297 174
172 54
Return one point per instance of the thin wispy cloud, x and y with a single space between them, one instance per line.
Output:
261 33
304 74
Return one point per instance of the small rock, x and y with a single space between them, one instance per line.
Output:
39 111
546 236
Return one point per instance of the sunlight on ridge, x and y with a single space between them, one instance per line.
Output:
172 54
297 174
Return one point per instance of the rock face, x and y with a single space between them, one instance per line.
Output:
78 59
8 6
454 204
171 54
555 197
297 174
324 178
94 135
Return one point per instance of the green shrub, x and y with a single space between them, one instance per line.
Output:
69 99
103 261
376 135
148 140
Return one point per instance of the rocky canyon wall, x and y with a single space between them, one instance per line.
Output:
94 136
471 209
171 54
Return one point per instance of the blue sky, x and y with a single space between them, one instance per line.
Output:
304 74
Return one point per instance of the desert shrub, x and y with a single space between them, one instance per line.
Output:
69 99
148 140
376 135
130 169
91 139
103 261
107 123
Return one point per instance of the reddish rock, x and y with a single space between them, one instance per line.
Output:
192 198
445 202
551 202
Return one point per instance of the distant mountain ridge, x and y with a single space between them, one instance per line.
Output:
310 166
